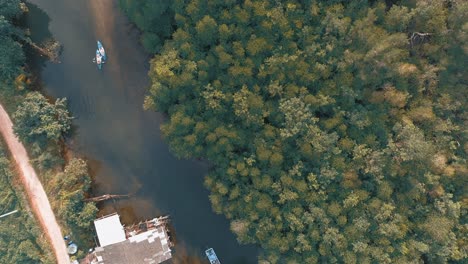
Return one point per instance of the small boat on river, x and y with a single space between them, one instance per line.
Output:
212 256
101 50
98 59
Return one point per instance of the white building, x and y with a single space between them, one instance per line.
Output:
145 243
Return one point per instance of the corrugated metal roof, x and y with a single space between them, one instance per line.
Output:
150 247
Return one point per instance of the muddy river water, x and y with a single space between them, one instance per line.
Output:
121 142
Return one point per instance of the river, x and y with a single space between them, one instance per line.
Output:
121 142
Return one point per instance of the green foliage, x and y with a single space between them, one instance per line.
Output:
334 127
21 240
11 53
41 124
11 58
70 188
10 8
37 120
151 42
153 17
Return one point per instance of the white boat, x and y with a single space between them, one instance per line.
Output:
212 256
98 59
101 50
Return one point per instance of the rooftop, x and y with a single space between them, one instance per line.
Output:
145 243
109 230
150 247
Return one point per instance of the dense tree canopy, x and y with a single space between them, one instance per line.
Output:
10 9
154 18
70 187
42 124
37 120
11 53
337 129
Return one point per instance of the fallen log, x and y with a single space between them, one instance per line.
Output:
106 197
52 52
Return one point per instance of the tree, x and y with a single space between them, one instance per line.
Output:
11 54
9 9
37 120
11 58
332 126
207 30
70 187
154 17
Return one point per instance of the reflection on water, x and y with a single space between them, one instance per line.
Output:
121 142
36 22
131 210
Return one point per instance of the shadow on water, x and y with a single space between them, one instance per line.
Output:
121 142
36 22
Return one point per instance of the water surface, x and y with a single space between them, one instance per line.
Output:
122 142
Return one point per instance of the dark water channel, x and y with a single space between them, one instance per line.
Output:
122 142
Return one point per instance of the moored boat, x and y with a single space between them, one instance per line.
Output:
101 50
212 256
98 59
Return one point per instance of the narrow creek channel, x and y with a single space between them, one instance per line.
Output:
122 142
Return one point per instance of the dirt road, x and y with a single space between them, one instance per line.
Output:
33 187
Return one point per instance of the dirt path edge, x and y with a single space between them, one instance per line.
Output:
35 192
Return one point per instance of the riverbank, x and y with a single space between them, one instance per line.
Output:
120 140
52 166
19 230
34 190
65 179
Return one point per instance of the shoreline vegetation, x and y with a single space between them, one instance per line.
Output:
22 239
41 125
337 129
33 189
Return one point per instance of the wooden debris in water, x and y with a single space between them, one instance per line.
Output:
50 49
106 197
